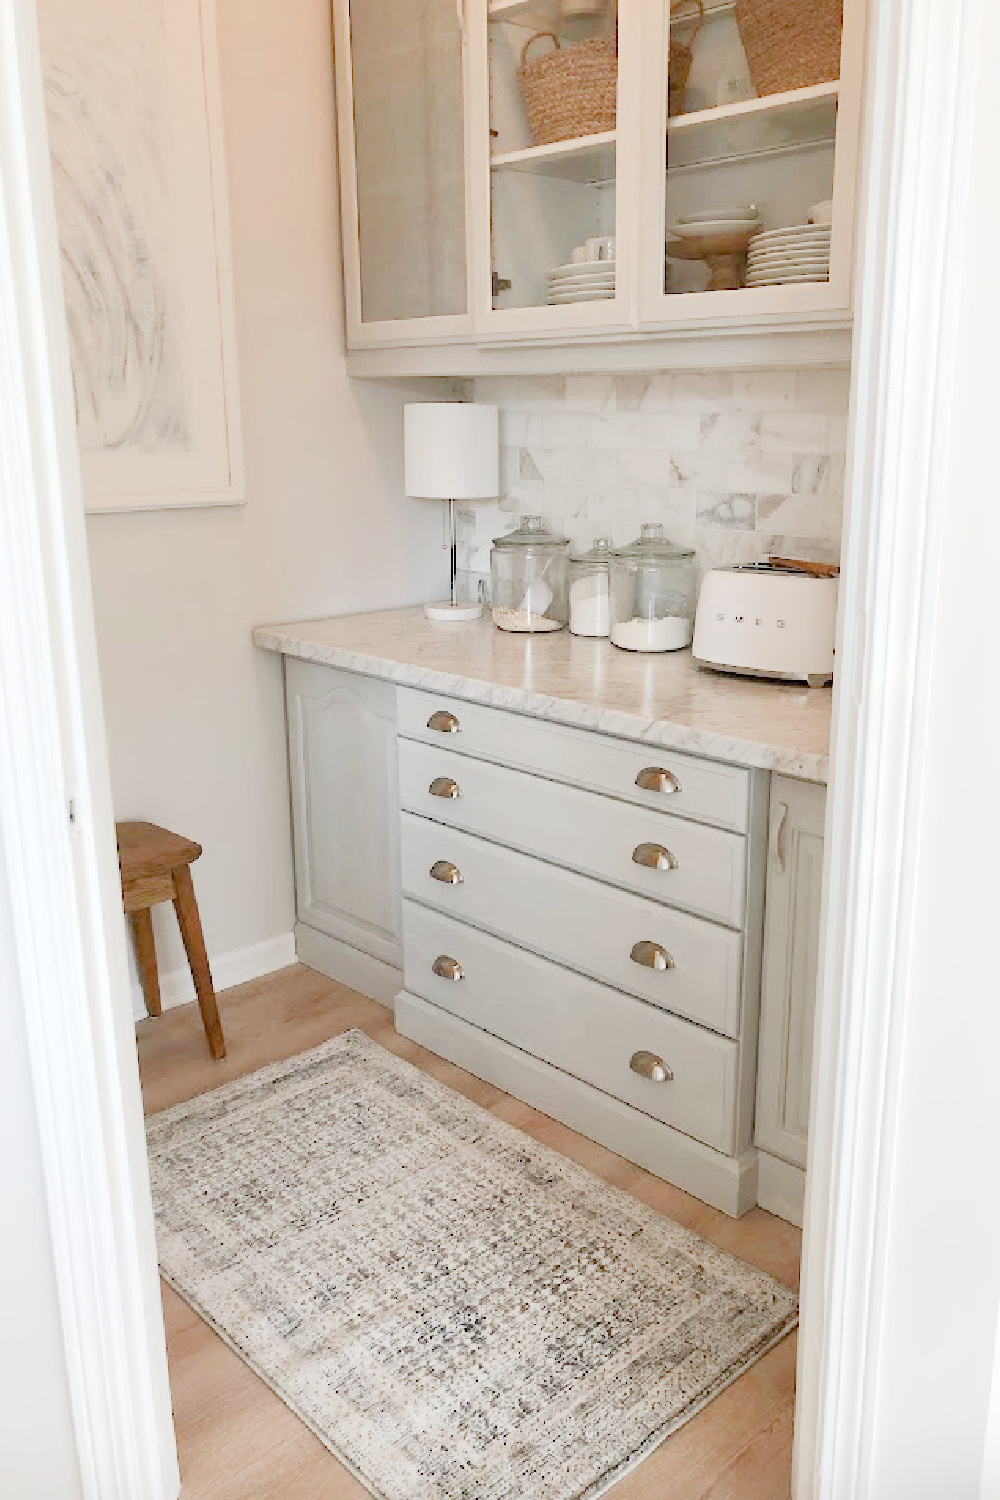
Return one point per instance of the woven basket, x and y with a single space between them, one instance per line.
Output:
570 91
681 55
790 44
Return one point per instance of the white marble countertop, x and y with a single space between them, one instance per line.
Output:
662 700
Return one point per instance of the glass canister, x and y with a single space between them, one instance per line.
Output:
652 594
590 590
528 578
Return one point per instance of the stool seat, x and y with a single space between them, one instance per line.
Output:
155 866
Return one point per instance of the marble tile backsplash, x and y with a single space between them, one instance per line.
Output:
735 465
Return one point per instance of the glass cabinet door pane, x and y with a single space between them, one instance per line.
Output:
750 142
553 70
406 57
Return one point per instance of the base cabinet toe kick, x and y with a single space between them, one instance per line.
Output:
576 918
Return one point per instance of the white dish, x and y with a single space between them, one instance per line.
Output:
810 233
767 262
563 299
787 252
581 291
779 278
577 280
584 268
787 247
770 257
709 226
745 213
792 263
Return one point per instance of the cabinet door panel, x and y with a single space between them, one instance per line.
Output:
750 119
401 119
791 953
345 800
554 115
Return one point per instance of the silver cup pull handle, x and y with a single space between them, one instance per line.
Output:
651 956
443 786
648 1065
444 722
447 968
654 857
656 779
446 872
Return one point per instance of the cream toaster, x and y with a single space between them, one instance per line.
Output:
767 620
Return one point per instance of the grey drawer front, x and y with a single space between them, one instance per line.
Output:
580 1026
702 789
579 922
596 835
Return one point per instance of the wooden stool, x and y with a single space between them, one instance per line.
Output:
155 866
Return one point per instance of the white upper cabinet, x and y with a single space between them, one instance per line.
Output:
570 173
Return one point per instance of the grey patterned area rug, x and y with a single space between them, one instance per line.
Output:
457 1312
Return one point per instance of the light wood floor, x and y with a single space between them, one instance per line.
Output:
237 1441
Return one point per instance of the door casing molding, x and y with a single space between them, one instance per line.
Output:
58 845
920 105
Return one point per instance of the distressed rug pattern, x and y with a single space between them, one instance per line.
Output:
457 1312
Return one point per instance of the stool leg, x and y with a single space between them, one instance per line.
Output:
186 907
145 957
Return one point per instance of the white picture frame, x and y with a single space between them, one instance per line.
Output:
134 105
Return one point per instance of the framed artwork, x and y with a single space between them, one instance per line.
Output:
134 109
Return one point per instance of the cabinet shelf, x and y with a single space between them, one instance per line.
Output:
796 120
547 15
712 11
588 158
537 15
790 103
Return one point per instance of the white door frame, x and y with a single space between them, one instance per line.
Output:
921 99
58 846
63 875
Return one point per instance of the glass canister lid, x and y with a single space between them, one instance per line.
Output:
599 553
653 547
532 532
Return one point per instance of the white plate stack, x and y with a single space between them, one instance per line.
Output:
799 253
589 281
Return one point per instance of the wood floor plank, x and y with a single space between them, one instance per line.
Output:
238 1441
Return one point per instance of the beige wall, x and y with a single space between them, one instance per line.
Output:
194 713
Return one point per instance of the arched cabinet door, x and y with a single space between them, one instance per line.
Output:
345 801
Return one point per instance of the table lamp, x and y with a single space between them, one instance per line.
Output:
452 452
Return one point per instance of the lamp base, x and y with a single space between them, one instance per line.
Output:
453 612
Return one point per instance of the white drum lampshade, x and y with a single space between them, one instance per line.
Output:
452 452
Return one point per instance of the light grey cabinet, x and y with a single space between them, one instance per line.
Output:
345 823
788 992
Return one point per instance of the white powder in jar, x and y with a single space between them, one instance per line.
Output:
590 605
672 633
523 620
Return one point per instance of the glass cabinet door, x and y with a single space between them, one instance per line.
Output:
553 79
753 197
405 231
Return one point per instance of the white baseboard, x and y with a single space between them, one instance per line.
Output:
781 1188
728 1183
237 967
359 971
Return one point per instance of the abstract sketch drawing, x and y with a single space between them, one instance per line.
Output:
147 304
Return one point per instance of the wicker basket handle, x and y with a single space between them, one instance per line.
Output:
695 22
524 53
